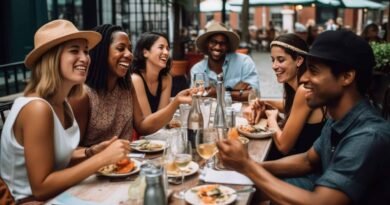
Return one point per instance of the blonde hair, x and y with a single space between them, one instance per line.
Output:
46 78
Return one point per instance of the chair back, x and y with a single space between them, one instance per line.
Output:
4 109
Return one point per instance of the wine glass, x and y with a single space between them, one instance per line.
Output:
182 159
206 144
201 81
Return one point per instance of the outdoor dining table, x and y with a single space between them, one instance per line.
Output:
103 190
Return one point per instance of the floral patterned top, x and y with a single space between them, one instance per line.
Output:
110 115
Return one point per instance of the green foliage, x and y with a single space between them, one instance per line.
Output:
382 57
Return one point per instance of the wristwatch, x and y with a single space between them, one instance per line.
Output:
241 92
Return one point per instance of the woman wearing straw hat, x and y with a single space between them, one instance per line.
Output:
40 134
239 70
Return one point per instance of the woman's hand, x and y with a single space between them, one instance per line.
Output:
272 116
257 112
116 151
101 146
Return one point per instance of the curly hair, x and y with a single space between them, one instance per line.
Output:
98 70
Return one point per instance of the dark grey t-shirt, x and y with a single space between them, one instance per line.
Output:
359 164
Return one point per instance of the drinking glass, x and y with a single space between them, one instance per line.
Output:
182 159
206 144
253 95
201 82
205 108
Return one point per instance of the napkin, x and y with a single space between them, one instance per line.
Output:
225 177
237 107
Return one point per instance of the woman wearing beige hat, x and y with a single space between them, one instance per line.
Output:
40 134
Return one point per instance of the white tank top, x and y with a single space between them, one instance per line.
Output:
12 162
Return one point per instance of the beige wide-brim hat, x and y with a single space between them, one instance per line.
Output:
57 32
217 28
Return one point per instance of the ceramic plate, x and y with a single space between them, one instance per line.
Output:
148 145
191 169
135 170
192 197
256 135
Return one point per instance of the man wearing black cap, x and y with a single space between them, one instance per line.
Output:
352 154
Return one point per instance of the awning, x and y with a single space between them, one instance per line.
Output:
271 2
329 3
216 6
362 4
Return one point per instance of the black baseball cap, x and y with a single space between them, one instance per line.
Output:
344 47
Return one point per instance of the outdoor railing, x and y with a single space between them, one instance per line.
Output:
14 77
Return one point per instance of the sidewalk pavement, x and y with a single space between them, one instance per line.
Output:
269 87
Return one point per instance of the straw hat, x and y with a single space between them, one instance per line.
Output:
217 28
55 33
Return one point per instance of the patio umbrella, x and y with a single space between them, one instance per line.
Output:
328 3
360 4
216 6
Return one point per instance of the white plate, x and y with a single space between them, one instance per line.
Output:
135 170
192 167
137 148
257 135
192 198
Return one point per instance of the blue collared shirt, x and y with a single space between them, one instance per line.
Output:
236 68
359 164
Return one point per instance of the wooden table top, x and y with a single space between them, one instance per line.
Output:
101 190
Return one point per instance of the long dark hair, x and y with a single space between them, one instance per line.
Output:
98 70
297 42
146 41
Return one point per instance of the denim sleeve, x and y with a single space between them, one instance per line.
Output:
249 73
354 164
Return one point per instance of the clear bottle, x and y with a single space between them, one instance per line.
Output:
195 120
154 192
228 99
219 116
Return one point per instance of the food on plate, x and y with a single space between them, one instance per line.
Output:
173 170
233 133
211 194
253 129
121 167
147 145
174 123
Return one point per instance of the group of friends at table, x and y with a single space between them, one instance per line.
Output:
89 91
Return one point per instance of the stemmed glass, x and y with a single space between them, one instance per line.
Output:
182 159
200 81
206 144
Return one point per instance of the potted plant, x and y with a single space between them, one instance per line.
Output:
382 57
381 77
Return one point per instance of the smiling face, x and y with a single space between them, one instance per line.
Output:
217 47
119 54
284 65
322 87
74 61
158 54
